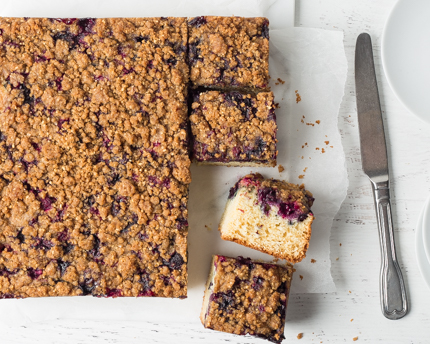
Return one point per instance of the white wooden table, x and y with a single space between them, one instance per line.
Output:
322 318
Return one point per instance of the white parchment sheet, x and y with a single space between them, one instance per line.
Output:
311 62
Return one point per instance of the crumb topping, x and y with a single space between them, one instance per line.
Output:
292 200
249 298
94 169
231 126
229 51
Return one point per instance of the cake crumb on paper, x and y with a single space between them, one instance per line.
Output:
301 277
301 176
355 339
281 168
281 81
305 169
298 98
208 228
313 260
322 150
340 244
326 142
318 121
300 336
337 258
352 320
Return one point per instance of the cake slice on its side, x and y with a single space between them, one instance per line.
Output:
246 297
234 129
270 216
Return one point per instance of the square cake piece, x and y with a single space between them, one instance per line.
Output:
235 129
94 166
270 216
247 297
229 52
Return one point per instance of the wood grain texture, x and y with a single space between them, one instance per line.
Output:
322 318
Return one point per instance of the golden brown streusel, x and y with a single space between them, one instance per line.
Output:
248 297
229 51
93 157
234 127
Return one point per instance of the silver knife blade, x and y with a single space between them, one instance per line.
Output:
372 137
394 302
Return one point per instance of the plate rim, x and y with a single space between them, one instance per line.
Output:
384 64
420 252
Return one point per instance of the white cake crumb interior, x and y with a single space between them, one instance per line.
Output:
244 222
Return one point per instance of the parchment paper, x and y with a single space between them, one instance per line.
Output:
310 61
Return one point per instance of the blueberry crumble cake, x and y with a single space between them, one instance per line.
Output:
246 297
229 52
232 128
94 166
269 215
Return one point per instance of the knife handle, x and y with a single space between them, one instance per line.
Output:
394 303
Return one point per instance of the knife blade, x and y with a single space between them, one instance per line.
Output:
394 303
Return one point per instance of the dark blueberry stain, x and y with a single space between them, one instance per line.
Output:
36 146
233 190
60 214
113 179
240 261
194 53
265 30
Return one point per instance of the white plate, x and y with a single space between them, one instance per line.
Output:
426 229
406 55
423 262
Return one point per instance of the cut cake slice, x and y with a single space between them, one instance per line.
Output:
270 216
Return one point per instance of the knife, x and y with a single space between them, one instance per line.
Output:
374 159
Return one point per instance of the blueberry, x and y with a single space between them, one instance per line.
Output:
302 217
224 300
62 266
20 236
181 223
28 99
7 296
60 214
113 179
265 29
86 25
67 21
89 201
198 21
140 39
67 247
244 261
61 122
233 190
36 146
87 286
95 251
46 203
113 292
142 236
194 53
34 273
257 282
176 261
42 244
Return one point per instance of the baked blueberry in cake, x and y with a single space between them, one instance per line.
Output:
246 297
230 52
233 128
269 215
94 166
